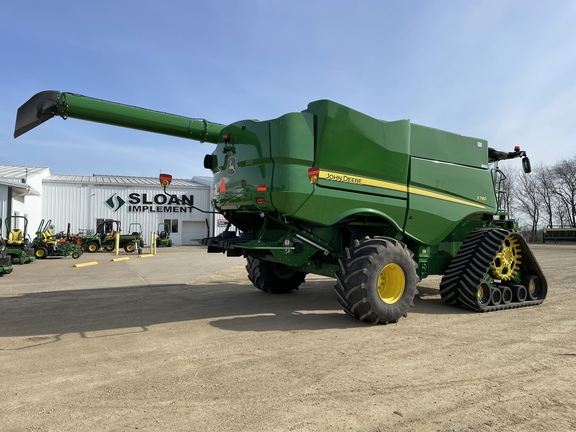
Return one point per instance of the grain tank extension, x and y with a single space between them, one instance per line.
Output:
377 205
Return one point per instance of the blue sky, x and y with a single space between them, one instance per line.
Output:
502 70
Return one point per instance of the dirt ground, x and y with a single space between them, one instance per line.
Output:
183 342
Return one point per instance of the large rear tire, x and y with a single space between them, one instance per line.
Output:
377 279
272 277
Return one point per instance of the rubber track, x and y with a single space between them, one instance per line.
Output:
467 270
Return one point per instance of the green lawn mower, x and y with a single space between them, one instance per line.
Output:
47 244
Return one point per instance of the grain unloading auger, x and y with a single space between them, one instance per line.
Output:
47 104
377 205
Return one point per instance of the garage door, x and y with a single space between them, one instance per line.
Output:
193 232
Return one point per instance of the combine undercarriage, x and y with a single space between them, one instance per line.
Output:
493 270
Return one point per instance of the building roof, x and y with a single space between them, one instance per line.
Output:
17 177
19 173
118 180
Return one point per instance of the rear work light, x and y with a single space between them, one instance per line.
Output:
313 174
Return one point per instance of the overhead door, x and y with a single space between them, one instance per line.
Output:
193 232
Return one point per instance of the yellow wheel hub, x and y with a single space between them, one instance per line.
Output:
507 261
283 272
391 283
532 288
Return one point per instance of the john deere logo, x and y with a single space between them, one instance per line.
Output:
115 202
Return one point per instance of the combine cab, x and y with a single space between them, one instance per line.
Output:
377 205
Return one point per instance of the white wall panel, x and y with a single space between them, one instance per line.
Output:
82 204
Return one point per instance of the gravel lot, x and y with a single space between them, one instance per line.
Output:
183 342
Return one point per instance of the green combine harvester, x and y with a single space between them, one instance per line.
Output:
377 205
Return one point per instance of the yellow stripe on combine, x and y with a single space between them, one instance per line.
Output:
363 181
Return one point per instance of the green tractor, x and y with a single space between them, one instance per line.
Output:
105 238
47 244
377 205
18 244
5 259
163 238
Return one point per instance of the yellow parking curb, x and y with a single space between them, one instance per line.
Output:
120 259
86 264
145 256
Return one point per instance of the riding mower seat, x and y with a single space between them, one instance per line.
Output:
15 237
48 237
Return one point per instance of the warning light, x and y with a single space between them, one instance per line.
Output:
261 188
516 148
313 174
165 180
226 138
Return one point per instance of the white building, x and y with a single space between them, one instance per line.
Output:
139 203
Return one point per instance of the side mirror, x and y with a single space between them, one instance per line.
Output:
165 180
526 165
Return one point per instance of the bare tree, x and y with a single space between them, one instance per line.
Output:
527 201
565 190
505 183
544 180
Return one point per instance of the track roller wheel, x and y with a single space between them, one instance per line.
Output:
506 295
376 281
495 296
483 295
533 286
519 293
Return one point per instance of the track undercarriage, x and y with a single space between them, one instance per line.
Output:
493 270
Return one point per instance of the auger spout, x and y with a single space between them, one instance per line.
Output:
47 104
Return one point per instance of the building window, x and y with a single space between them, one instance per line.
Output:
173 224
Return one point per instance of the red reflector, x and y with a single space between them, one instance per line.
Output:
261 188
313 171
222 186
260 201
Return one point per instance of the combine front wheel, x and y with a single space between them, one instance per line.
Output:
377 280
271 277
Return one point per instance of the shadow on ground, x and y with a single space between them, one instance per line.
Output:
228 306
